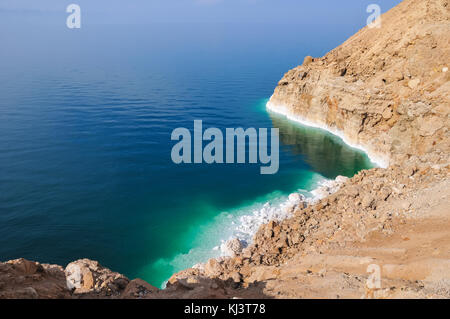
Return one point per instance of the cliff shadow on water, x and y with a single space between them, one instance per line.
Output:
324 152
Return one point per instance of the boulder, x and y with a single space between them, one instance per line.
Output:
232 247
138 288
308 60
367 201
413 84
85 276
213 268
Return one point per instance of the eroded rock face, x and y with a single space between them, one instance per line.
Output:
21 278
384 89
84 278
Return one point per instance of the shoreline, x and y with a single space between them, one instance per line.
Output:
243 227
283 210
282 110
278 209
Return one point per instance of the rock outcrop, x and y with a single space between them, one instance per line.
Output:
83 278
21 278
87 276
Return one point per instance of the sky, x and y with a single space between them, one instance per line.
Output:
192 11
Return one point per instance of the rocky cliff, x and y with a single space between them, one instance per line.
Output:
385 90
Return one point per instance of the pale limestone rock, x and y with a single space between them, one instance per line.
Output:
213 268
86 275
387 113
232 247
429 125
413 84
308 60
73 276
295 198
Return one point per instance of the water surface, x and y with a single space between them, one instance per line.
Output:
85 124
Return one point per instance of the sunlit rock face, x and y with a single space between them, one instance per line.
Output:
385 90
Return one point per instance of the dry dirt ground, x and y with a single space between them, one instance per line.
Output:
414 260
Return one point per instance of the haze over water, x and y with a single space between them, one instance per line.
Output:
85 124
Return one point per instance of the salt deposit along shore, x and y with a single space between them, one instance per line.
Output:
386 90
381 161
248 225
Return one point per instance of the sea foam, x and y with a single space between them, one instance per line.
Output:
245 222
248 224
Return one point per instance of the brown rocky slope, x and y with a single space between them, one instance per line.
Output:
386 90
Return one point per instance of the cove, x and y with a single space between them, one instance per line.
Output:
86 170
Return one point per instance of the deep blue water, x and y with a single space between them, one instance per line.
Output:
85 124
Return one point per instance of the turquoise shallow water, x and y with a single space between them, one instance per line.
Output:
85 124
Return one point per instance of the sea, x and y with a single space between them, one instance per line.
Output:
86 118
